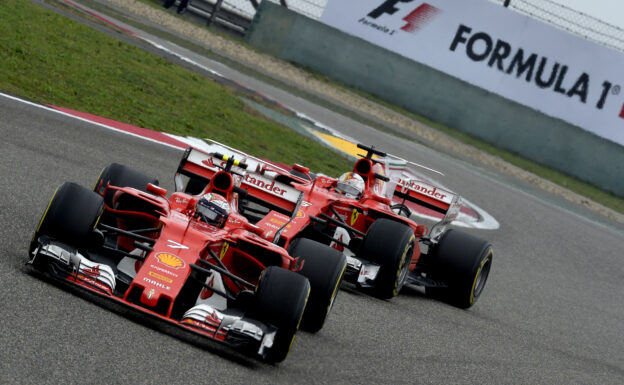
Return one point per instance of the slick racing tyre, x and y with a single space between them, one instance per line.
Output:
462 262
121 176
324 267
195 186
280 301
71 215
391 245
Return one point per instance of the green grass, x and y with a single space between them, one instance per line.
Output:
51 59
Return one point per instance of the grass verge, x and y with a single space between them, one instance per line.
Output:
51 59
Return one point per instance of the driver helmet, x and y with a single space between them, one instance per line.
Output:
350 185
212 209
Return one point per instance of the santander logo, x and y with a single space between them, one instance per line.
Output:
265 184
428 190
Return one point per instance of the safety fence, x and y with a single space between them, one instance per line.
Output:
237 14
568 19
309 8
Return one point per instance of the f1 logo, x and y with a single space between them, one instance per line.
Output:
416 19
387 7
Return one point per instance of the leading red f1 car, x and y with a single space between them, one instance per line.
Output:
365 213
188 260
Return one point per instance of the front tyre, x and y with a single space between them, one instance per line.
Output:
71 215
324 267
391 245
121 176
280 300
463 262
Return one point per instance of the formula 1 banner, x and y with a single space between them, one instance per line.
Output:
497 49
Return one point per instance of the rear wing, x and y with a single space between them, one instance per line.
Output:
276 194
425 194
435 198
260 179
267 183
199 166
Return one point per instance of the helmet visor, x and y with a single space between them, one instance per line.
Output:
211 213
348 190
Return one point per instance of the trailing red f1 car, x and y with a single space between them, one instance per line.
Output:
358 214
190 260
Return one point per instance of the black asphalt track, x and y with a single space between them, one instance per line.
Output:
551 313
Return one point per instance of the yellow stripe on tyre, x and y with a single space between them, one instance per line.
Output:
44 214
474 283
395 292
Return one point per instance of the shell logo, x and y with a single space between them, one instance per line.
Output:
170 260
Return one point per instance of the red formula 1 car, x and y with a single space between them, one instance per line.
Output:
189 260
364 213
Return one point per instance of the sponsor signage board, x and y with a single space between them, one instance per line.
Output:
502 51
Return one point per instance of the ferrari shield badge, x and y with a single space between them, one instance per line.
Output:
354 216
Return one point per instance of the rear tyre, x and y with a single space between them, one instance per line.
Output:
462 261
391 245
121 176
195 186
71 215
280 300
324 267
